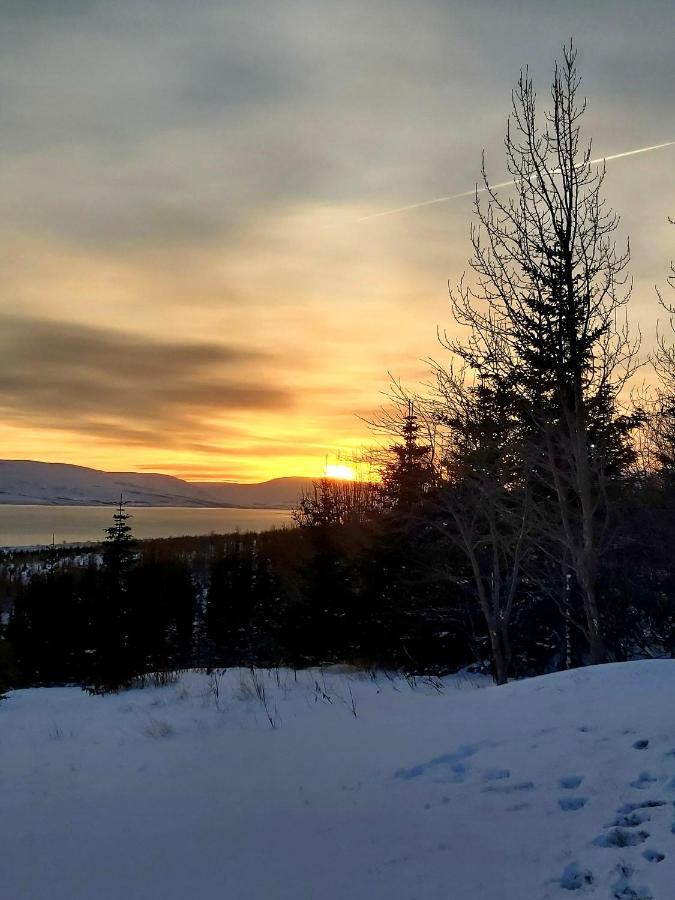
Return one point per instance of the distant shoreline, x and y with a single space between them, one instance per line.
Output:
33 524
134 504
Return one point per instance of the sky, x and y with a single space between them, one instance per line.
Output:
190 282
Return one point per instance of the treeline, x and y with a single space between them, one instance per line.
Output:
376 575
552 482
524 509
351 591
530 476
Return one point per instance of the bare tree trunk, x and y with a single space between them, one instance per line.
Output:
592 616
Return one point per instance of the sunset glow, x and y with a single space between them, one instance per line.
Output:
215 287
345 473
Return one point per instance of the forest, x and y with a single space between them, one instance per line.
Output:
518 514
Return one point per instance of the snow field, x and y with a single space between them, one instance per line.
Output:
333 784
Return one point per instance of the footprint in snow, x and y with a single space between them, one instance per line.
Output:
624 890
449 763
641 745
630 820
509 788
653 855
570 782
496 774
457 773
619 837
643 781
646 804
574 878
571 804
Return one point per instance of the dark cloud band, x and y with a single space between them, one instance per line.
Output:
124 387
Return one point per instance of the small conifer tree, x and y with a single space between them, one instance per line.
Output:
114 666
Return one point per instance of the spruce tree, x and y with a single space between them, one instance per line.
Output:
409 472
114 663
544 326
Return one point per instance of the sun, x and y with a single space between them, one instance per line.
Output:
346 473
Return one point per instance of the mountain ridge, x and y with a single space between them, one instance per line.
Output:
31 482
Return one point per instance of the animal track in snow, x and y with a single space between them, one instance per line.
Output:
641 745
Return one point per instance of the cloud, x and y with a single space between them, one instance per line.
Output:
126 387
149 125
196 168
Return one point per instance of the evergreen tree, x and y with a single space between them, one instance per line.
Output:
481 509
49 628
114 662
409 474
119 551
543 326
161 610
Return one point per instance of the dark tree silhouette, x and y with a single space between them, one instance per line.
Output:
408 472
544 326
482 504
663 420
114 664
119 550
336 502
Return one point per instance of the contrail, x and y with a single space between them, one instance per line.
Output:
472 193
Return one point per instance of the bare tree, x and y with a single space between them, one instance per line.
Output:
663 420
336 502
546 323
483 506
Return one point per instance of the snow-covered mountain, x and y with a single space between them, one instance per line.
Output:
30 482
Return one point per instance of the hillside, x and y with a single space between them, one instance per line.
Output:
366 788
30 482
282 492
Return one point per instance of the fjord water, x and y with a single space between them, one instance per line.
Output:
26 526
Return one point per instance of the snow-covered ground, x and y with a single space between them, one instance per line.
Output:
557 787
